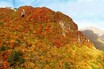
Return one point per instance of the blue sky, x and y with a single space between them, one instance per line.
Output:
83 12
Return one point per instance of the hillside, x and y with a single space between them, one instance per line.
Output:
102 37
96 36
98 31
44 39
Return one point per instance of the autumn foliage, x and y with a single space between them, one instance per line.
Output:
44 39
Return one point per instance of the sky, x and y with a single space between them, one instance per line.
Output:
85 13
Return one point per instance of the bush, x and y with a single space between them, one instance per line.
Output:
15 56
1 23
67 65
21 60
13 15
2 48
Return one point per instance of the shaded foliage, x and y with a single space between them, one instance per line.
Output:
15 56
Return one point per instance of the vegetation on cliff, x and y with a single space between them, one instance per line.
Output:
44 39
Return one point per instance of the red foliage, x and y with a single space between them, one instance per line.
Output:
57 43
12 44
45 24
6 65
5 55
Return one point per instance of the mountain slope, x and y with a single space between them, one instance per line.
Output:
44 39
99 32
96 36
102 37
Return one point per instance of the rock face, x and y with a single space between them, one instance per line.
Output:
58 28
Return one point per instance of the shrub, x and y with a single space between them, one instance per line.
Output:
1 23
13 15
67 65
15 56
2 48
21 60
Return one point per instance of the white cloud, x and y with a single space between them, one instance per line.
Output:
83 24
